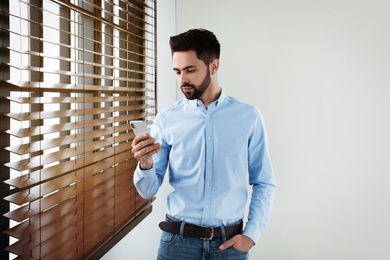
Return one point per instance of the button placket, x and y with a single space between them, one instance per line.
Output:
208 166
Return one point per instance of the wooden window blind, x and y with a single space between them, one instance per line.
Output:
73 74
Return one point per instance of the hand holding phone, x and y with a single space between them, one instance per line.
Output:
143 147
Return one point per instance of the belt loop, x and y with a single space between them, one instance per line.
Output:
182 228
223 234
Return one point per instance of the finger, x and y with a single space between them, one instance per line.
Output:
147 142
239 242
150 150
227 244
147 151
139 138
138 145
146 161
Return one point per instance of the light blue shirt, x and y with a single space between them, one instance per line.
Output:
209 153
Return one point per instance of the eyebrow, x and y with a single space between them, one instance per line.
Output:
185 68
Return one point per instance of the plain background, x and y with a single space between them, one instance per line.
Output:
319 70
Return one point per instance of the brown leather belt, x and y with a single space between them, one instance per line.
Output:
205 233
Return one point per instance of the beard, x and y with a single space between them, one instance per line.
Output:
197 91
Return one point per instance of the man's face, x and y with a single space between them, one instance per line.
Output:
191 73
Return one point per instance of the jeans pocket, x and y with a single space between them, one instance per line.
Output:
239 251
168 238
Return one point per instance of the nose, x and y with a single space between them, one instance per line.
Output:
182 79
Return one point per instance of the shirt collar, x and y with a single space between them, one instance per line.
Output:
220 99
197 102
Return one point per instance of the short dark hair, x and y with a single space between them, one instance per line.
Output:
202 41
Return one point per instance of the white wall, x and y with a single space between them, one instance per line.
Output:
320 73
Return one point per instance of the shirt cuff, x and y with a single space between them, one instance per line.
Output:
145 182
252 231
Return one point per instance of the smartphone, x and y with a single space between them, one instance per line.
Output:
139 127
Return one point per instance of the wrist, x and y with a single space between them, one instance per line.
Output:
145 166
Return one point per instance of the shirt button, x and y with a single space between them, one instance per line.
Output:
207 206
209 161
209 138
208 184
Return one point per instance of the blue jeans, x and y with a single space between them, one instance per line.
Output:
178 247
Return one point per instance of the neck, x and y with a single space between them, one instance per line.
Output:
211 94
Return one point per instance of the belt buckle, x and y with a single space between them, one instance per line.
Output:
211 234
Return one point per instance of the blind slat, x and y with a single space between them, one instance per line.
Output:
73 88
22 247
74 100
71 249
37 177
99 204
39 130
70 113
98 178
65 140
73 164
22 230
60 239
134 55
82 74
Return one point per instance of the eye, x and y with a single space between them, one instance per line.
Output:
191 70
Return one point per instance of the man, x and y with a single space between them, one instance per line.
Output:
209 142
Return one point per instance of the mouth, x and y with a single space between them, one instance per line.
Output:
186 88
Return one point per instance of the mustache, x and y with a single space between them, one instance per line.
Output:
186 85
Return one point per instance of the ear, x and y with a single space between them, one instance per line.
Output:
214 66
